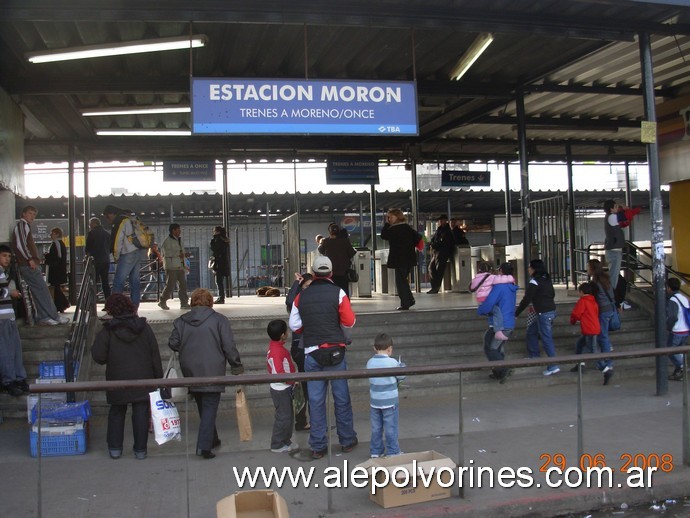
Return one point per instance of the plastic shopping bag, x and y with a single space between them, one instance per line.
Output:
179 394
166 419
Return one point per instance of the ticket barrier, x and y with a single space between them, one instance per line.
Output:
362 265
461 269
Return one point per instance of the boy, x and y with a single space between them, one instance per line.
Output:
586 312
678 327
12 373
278 361
384 400
481 287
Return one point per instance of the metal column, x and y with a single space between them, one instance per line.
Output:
571 215
509 208
71 230
657 213
524 181
372 209
226 225
414 197
87 199
628 200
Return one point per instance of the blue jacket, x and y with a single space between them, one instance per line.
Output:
505 296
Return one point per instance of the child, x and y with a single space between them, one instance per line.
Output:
625 215
278 361
12 372
678 327
384 400
481 287
586 311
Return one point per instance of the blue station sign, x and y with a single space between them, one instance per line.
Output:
189 170
352 170
288 107
450 178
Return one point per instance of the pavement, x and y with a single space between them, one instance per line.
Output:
528 428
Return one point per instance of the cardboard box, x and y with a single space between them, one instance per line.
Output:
414 491
253 504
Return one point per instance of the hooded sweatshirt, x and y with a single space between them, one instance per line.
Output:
205 342
128 348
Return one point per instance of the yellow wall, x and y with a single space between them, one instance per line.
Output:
680 229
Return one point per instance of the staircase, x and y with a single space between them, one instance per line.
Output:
420 338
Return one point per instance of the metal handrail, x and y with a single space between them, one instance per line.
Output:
84 314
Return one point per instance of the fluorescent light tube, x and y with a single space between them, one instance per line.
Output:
117 49
144 132
136 110
479 45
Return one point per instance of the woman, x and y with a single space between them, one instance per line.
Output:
302 282
220 248
338 249
402 255
128 348
205 342
56 261
540 294
605 301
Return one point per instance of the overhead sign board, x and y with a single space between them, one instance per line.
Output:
288 107
450 178
352 170
189 170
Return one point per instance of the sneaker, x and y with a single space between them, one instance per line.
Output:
140 455
375 456
316 455
288 448
551 370
500 336
63 320
677 374
219 301
608 374
576 368
206 454
349 447
163 305
115 453
432 292
48 322
625 305
505 377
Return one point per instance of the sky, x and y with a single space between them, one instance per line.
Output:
47 180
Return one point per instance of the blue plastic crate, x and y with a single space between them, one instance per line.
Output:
62 411
52 369
58 445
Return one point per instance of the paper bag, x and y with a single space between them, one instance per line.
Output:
244 422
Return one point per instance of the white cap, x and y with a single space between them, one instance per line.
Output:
322 266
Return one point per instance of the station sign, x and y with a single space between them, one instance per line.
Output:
352 170
304 107
189 170
455 178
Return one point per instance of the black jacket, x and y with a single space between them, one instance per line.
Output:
128 348
339 250
98 244
540 293
443 242
57 264
402 240
221 252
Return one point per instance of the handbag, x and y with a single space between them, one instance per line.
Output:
211 263
244 422
531 315
177 394
298 399
351 274
165 418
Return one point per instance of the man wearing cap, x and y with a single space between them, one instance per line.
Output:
442 247
321 313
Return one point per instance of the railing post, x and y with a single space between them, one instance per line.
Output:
461 436
329 489
686 418
580 425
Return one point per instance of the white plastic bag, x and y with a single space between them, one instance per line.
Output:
166 419
179 394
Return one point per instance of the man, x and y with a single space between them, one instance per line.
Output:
174 265
678 327
442 248
338 249
458 233
503 296
98 247
320 313
614 241
25 251
127 256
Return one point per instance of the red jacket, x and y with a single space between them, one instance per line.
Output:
586 312
278 361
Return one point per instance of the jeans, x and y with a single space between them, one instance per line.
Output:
128 269
497 318
284 417
207 405
11 365
384 423
102 270
402 285
586 344
603 339
140 426
318 434
493 349
542 328
614 258
43 302
173 277
675 340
